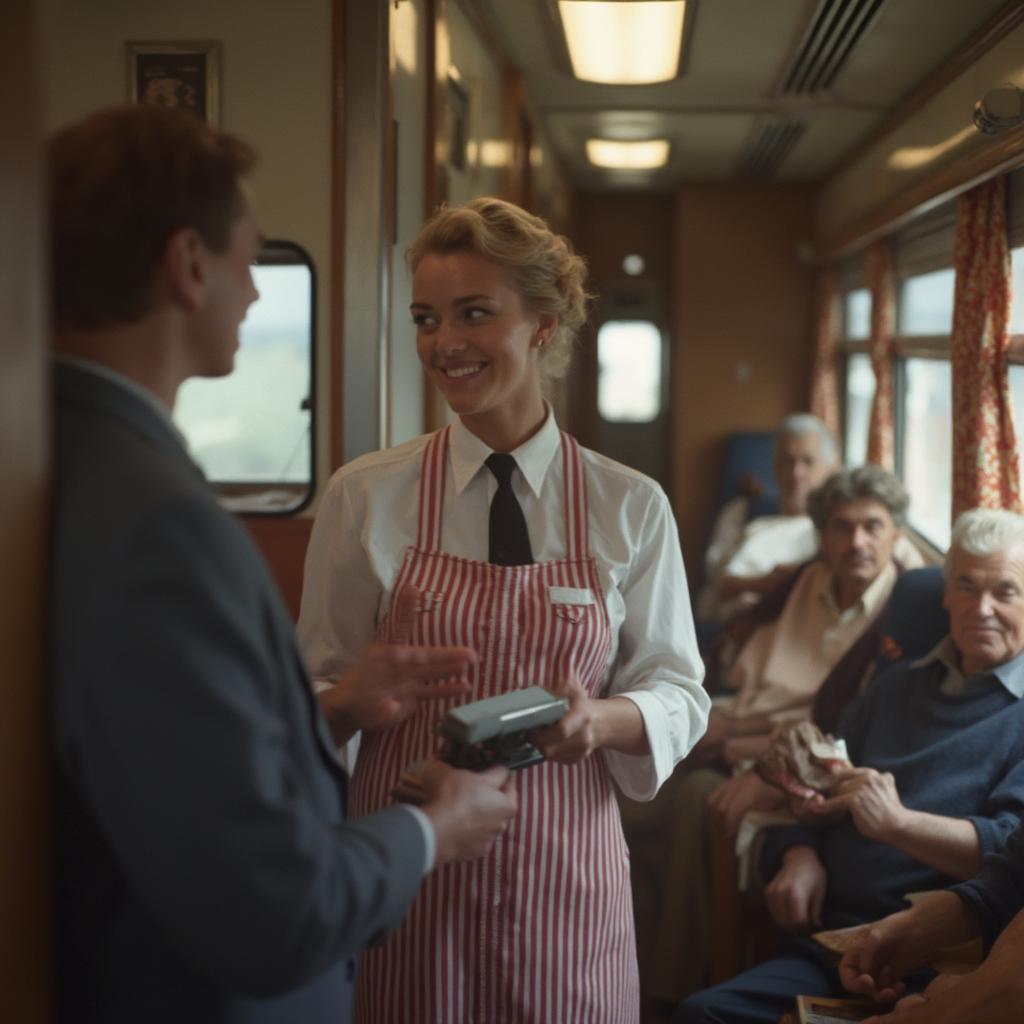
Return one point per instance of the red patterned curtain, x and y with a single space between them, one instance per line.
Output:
985 470
824 378
881 283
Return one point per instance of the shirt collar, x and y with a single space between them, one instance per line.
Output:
468 453
870 599
1010 674
127 384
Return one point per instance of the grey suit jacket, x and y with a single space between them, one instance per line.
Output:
204 871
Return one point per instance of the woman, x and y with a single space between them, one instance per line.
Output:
541 928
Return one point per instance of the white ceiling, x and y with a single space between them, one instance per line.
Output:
730 89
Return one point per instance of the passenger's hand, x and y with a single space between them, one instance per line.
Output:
796 895
872 801
709 747
391 680
578 734
879 955
733 798
935 1006
468 810
817 811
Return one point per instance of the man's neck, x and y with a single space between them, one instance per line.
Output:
847 594
143 351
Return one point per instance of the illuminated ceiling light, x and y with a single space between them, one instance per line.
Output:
628 156
619 43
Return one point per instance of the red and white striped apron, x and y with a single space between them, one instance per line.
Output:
540 931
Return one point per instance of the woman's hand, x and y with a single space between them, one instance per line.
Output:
578 734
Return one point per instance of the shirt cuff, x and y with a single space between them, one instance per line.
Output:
640 775
429 839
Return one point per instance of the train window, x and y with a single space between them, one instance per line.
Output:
1017 293
252 431
860 390
926 448
926 304
629 360
857 314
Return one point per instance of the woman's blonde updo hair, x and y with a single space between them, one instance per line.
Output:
548 274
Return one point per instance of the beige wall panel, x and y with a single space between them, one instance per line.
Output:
275 93
742 311
487 149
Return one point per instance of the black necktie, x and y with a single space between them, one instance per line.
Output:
509 540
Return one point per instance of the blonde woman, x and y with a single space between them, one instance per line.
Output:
558 567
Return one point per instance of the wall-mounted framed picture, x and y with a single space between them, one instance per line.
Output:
458 113
183 75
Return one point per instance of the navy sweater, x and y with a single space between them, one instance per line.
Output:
961 757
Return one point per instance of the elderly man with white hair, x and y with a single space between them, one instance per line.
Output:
938 783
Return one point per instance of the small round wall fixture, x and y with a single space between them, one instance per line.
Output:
633 264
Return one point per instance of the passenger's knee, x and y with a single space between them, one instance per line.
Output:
694 1010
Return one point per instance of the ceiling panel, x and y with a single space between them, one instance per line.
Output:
738 56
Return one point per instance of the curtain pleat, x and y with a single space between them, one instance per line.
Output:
985 470
878 270
824 375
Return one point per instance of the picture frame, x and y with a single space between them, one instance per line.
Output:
172 74
458 113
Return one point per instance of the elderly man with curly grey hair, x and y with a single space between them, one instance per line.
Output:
938 785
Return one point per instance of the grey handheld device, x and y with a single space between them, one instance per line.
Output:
496 730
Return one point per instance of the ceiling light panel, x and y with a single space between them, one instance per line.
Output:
628 156
620 43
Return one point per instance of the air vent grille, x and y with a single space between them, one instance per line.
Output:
837 27
771 147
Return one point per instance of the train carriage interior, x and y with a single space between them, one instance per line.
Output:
735 173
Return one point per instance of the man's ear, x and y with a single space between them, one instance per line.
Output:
185 270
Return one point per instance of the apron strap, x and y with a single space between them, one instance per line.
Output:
576 521
432 476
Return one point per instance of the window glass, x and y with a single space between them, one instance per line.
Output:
251 432
927 446
629 360
926 303
857 315
1017 292
1016 376
860 391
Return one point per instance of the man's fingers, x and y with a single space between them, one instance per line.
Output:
430 662
407 604
497 775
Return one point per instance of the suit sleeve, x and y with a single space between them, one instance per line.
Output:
210 795
996 895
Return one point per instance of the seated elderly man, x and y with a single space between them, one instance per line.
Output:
747 560
989 908
743 553
938 746
810 630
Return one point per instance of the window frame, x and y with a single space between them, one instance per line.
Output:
232 493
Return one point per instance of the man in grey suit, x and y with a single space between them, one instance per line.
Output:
205 872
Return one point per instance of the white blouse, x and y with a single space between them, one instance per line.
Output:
368 518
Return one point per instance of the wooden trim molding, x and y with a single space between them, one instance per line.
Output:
283 543
336 339
948 182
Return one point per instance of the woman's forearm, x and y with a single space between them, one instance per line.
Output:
620 726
